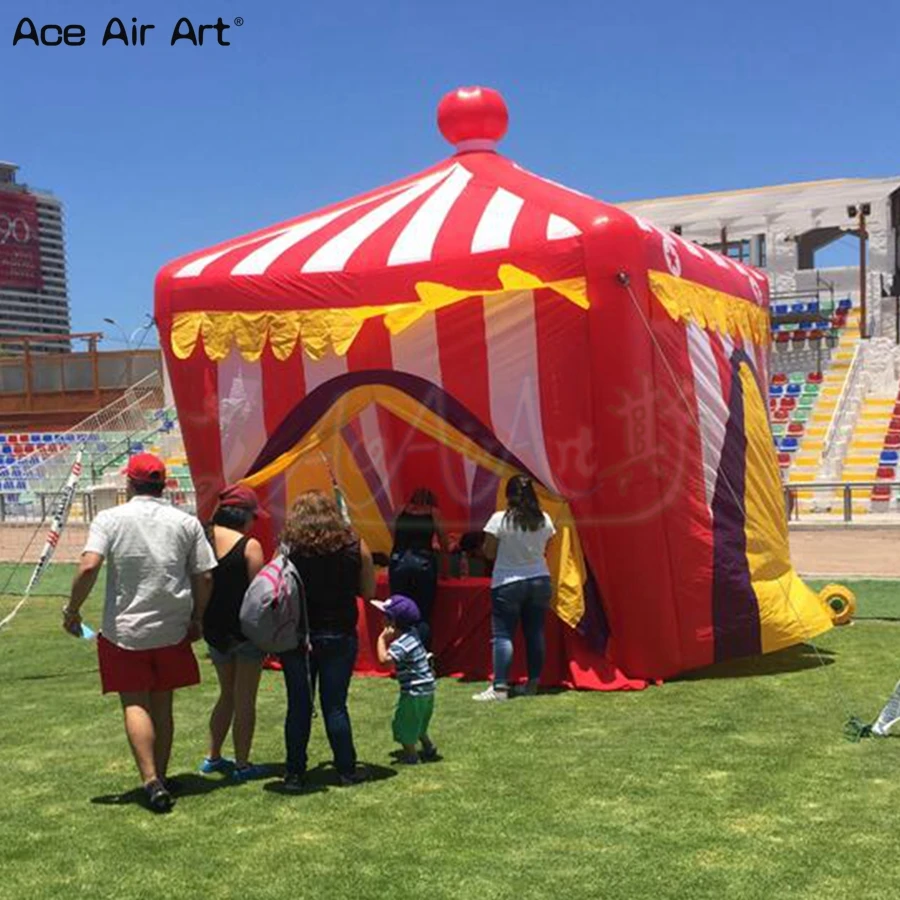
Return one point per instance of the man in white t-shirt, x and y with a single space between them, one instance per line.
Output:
516 539
158 582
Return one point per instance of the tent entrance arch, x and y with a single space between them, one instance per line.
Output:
321 443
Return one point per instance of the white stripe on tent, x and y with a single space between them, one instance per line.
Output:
195 268
564 187
259 260
242 428
332 256
690 246
470 469
642 224
717 258
318 371
514 379
711 406
370 426
496 223
558 228
416 241
415 350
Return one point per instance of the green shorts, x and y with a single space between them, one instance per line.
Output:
411 718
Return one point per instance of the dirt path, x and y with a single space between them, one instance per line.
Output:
816 552
16 539
842 552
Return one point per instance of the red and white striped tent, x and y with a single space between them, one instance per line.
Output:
476 320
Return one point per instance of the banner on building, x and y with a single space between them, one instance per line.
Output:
20 250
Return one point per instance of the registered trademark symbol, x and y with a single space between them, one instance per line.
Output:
238 21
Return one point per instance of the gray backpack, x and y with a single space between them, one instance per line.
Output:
273 611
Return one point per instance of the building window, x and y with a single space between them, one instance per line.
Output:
737 250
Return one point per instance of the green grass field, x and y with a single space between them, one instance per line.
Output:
735 782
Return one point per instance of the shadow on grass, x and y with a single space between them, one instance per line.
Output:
324 777
188 785
792 659
50 675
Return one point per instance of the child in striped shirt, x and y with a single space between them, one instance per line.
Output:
399 643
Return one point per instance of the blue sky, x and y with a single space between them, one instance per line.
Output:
160 150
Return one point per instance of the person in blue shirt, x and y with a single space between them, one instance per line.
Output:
399 644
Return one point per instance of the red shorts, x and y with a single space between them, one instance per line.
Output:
136 671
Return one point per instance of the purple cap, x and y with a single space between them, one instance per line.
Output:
399 609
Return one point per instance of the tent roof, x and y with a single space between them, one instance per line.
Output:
461 215
459 225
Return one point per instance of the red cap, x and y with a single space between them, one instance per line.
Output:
239 496
146 468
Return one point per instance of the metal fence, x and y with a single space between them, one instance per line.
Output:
85 506
837 498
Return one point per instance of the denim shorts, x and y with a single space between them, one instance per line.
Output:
244 652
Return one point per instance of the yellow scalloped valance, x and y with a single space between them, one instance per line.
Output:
321 330
689 301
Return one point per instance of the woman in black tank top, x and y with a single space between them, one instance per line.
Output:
413 569
336 568
238 663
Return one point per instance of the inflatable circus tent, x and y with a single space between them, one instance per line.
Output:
476 320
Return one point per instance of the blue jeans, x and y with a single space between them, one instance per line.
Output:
331 664
529 601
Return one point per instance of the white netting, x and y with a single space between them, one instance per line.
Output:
137 421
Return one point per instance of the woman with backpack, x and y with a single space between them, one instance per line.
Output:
238 663
335 566
413 568
516 539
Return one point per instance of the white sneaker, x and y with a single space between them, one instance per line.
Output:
490 695
882 729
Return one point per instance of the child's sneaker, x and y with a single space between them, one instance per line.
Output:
410 759
530 688
431 663
219 764
429 753
491 694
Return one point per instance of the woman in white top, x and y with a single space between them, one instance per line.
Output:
516 539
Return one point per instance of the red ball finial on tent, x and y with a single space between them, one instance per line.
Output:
473 118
